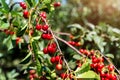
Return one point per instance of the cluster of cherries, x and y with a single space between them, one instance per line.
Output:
51 48
105 72
25 12
8 32
33 74
58 61
73 43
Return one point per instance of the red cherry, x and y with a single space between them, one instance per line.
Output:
51 49
52 59
77 44
101 59
45 27
81 50
38 26
58 66
44 35
57 58
110 67
35 76
48 36
18 39
31 76
11 32
102 74
92 52
95 60
45 50
61 62
43 14
32 71
25 14
63 75
72 43
23 5
70 76
57 4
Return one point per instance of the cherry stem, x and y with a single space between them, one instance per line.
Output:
62 40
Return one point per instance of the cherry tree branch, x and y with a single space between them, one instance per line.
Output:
60 39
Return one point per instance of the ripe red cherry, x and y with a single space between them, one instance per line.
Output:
70 76
100 66
38 26
43 14
25 14
45 27
57 58
48 36
23 5
18 39
52 59
77 44
44 35
63 75
59 67
57 4
45 50
31 76
32 72
35 76
11 32
72 43
110 67
81 50
61 61
51 49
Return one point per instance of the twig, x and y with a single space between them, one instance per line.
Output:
69 45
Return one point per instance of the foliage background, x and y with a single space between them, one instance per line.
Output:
94 22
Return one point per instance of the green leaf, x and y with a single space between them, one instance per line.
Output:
8 42
77 56
85 67
5 5
89 75
75 26
4 26
72 64
30 2
28 55
47 1
110 55
21 31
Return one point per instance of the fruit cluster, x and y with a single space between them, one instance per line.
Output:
33 75
25 12
8 32
105 72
